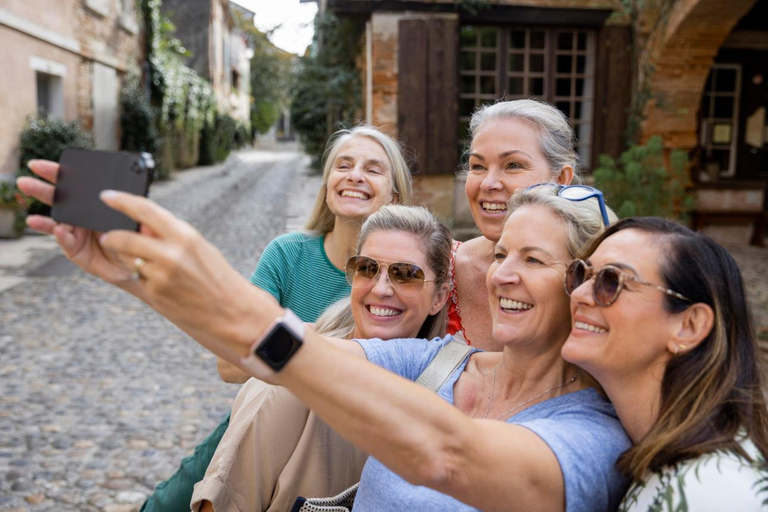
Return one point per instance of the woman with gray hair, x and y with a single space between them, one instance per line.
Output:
514 144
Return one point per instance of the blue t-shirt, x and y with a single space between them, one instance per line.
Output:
296 271
580 428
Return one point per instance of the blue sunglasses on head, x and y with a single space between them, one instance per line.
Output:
578 193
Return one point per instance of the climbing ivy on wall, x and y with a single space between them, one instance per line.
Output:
183 101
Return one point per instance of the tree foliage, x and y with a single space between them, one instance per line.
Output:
272 75
45 138
328 90
640 183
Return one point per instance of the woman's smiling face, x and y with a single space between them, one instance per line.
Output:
525 283
630 336
380 311
360 181
505 156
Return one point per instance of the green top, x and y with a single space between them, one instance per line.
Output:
296 271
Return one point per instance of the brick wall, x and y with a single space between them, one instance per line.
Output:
384 47
679 41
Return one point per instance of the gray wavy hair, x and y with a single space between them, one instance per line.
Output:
556 138
583 219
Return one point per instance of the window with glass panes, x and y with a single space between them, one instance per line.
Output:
556 65
719 116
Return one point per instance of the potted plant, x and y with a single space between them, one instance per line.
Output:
13 209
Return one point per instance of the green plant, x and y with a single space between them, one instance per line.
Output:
272 76
46 138
12 199
181 100
242 136
137 121
328 89
640 183
217 139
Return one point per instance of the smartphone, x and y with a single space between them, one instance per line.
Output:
84 174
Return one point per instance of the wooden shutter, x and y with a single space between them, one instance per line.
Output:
427 102
613 90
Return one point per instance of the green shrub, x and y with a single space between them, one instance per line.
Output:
138 123
217 139
242 136
639 183
225 136
46 138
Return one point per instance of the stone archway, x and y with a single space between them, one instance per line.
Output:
679 52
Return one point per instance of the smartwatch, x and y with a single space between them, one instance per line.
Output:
277 346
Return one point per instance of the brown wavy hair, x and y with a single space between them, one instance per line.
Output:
712 395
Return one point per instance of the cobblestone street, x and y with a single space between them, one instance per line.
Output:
101 397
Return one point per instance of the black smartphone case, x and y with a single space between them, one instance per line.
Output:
84 174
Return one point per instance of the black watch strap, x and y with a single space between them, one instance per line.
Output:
278 345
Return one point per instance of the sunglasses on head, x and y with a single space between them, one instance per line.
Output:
608 282
406 278
578 193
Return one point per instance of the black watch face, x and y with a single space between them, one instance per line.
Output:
278 347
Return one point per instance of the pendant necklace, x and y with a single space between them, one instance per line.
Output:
524 402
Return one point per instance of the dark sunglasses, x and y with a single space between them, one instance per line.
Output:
608 282
406 278
578 193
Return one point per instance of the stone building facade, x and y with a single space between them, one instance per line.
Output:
67 58
693 70
218 51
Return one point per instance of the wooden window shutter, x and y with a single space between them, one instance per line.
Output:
613 90
427 102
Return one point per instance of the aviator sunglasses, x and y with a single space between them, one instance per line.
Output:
406 278
607 284
578 193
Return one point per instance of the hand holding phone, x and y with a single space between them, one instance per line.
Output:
84 174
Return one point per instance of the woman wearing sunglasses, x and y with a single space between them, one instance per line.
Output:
275 449
527 431
660 319
514 144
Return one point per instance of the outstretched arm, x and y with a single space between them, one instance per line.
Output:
487 464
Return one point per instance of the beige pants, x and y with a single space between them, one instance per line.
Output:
275 450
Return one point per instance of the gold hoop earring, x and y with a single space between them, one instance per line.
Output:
678 347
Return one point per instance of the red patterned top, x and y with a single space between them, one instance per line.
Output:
454 314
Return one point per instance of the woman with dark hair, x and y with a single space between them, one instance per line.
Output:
660 319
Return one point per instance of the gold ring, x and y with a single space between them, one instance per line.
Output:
138 264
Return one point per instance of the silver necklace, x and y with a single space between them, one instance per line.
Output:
524 402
